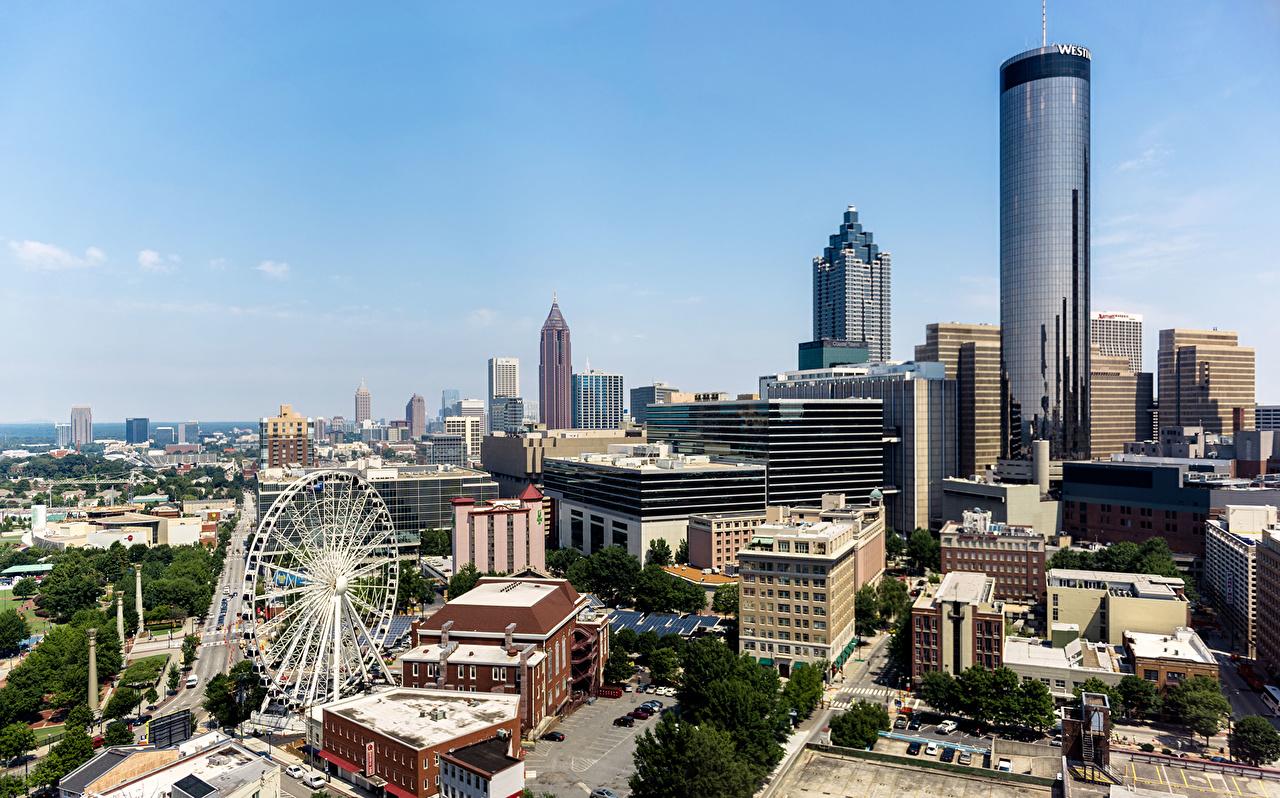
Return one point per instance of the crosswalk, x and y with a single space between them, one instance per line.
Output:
878 695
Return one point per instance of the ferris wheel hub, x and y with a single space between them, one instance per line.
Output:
340 587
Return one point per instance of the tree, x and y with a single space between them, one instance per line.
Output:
71 586
612 574
151 695
866 611
190 646
1199 705
172 680
859 726
1139 697
940 691
663 665
893 598
463 580
923 551
560 560
804 689
677 758
1095 685
1255 741
73 751
894 545
618 669
13 630
436 543
737 694
659 552
1035 705
25 587
725 600
232 697
16 739
682 552
658 591
626 640
80 717
118 733
900 644
121 703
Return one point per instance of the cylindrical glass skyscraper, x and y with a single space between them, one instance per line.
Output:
1044 250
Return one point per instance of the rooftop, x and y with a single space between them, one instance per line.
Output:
648 458
489 757
470 654
1132 585
1184 645
535 606
422 718
699 575
966 587
224 767
1078 654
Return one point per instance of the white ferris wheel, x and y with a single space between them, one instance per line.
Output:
320 580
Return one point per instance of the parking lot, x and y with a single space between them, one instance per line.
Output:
1190 781
594 753
820 775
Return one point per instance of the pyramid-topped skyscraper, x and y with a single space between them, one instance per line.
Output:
555 371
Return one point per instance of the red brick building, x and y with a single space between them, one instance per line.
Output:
393 740
1014 556
956 625
535 638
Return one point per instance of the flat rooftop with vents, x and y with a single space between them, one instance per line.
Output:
422 718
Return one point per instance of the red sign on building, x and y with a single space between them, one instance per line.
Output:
368 759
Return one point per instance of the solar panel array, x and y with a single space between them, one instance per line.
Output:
399 629
663 624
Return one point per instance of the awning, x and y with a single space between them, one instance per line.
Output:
398 792
350 767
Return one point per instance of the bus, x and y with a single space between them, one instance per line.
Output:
1271 698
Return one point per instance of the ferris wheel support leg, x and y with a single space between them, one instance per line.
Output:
337 641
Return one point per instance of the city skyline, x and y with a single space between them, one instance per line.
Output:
1164 193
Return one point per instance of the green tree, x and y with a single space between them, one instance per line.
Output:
734 693
25 587
1199 705
626 640
1035 705
618 668
923 551
940 690
725 600
866 611
675 759
151 695
612 574
900 645
1139 697
560 560
80 717
663 665
436 543
804 689
121 703
118 733
682 552
13 630
894 545
658 591
859 726
411 587
190 647
71 586
1095 685
893 598
659 552
1255 741
232 697
16 739
73 751
463 580
172 680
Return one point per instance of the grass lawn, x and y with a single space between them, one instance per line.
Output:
37 624
45 732
145 671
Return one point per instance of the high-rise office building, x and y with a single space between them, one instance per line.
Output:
597 400
320 430
364 404
285 440
471 428
506 414
1044 250
1116 334
62 435
189 432
647 395
165 436
472 408
1206 380
851 290
415 412
448 398
1267 417
971 354
1119 404
555 370
504 383
81 425
137 430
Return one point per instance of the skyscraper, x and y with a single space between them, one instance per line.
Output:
62 435
1119 404
137 430
597 400
851 290
1118 335
504 383
415 412
1206 380
971 353
555 370
448 398
81 425
1044 251
285 440
364 404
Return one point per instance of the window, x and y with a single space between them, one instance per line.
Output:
1150 675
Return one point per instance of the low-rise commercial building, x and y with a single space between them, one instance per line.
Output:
1012 555
1064 667
716 538
798 578
503 536
394 740
956 625
1170 659
481 770
1105 605
209 766
636 494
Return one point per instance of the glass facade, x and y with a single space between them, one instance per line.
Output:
1044 251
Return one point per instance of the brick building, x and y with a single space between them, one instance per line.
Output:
1110 502
1169 660
394 739
502 535
535 638
1012 555
481 770
957 625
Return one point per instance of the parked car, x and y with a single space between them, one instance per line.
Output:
913 749
554 737
314 781
948 754
640 713
900 722
626 688
1219 759
295 771
625 720
932 749
653 702
603 792
193 680
947 726
1004 766
99 741
965 758
913 724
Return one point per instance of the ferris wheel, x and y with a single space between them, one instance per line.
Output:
320 585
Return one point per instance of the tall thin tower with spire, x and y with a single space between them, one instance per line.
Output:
364 404
555 371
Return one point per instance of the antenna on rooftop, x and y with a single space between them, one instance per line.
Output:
1044 23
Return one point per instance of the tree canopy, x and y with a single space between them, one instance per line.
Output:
859 726
675 758
923 551
1255 740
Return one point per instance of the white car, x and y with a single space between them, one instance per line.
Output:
295 771
947 726
314 781
931 749
193 680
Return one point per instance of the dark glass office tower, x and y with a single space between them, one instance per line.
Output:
1044 251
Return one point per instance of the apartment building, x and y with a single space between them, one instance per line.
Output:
1106 605
500 536
1012 555
1268 601
956 625
285 440
1230 570
716 538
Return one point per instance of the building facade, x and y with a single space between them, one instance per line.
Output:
62 435
482 770
1268 602
415 413
555 370
1044 250
851 290
471 428
1267 417
1206 379
797 580
1014 556
285 440
363 405
503 536
504 383
81 425
1110 502
971 355
716 538
808 446
515 460
1230 572
1116 334
1105 605
137 430
1168 660
1121 404
647 395
1007 502
957 625
597 400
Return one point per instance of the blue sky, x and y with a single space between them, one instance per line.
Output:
210 209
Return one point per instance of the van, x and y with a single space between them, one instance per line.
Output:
193 680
